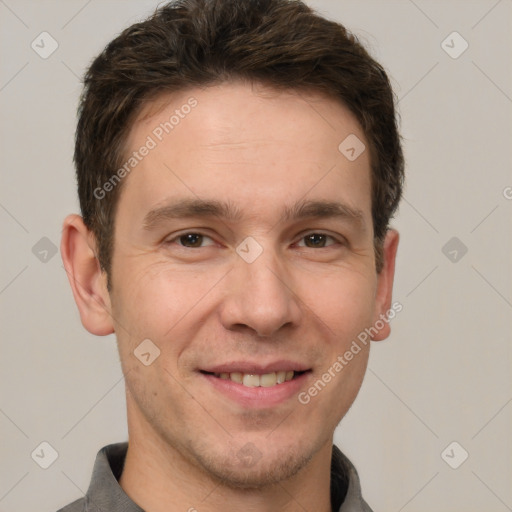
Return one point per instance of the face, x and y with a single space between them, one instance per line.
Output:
244 253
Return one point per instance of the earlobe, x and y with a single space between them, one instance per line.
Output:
385 285
87 280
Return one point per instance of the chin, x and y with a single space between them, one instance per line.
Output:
252 468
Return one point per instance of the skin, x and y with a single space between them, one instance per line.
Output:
201 304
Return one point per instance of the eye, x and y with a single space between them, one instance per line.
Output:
190 240
315 240
195 240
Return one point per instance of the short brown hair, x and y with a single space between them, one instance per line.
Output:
188 43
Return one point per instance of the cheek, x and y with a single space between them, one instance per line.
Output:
151 302
141 307
344 301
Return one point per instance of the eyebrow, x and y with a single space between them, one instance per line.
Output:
187 208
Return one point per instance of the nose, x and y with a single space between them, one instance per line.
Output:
260 296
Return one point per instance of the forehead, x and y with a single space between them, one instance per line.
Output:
231 109
247 142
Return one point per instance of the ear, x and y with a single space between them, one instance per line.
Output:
88 282
385 279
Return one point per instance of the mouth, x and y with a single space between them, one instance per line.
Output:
254 386
255 380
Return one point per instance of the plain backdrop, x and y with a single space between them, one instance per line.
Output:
444 375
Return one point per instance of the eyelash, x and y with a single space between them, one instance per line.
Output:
177 237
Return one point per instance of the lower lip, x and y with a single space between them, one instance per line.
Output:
257 397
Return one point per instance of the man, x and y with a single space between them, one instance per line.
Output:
238 164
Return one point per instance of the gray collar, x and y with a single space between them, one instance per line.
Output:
353 501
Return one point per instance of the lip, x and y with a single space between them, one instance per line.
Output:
256 397
256 368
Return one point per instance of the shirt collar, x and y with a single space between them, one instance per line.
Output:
105 493
343 469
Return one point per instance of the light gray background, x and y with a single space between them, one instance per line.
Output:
445 373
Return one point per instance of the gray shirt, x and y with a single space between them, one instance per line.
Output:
106 495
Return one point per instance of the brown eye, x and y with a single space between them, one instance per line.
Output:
315 240
191 240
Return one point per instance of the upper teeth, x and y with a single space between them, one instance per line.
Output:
252 380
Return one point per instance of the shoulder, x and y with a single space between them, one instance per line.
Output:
76 506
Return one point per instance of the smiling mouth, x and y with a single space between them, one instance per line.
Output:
253 380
